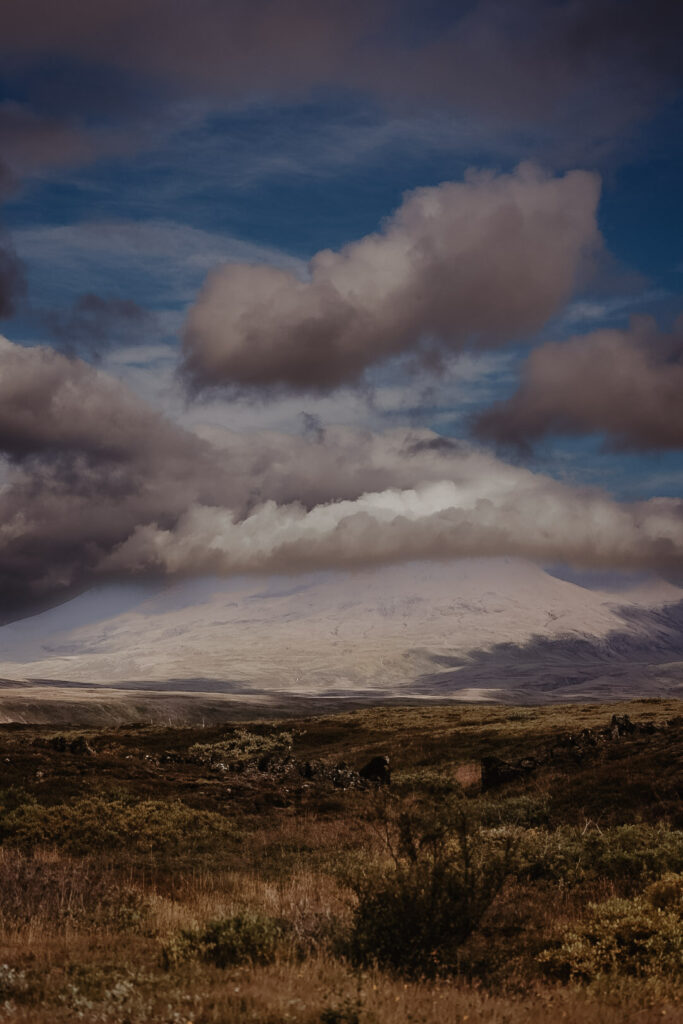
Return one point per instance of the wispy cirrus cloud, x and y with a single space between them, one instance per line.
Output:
169 258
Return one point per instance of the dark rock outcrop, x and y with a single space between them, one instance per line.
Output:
78 746
377 770
586 744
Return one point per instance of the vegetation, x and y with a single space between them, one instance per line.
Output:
445 872
224 874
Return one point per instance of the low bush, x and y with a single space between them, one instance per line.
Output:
94 823
245 938
630 855
667 892
241 749
526 810
413 915
619 936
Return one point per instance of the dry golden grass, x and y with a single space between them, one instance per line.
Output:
82 938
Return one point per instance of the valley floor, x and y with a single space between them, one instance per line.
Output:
252 871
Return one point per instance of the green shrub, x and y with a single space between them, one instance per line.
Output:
628 854
666 893
94 823
436 782
241 939
445 872
619 936
526 810
242 748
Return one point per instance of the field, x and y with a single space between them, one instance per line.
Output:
250 871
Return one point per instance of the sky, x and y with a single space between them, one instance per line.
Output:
291 285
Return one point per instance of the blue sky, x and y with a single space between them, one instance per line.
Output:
138 166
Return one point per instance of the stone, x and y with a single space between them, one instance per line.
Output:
80 746
377 770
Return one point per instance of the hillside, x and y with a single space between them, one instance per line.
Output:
496 629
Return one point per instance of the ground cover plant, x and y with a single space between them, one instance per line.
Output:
253 872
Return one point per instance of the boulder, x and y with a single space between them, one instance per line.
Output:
495 772
377 770
623 725
80 746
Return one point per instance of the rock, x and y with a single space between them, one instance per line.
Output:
587 745
495 772
80 746
623 724
377 770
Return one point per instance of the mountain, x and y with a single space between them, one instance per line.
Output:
479 629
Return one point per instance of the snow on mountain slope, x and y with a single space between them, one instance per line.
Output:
441 628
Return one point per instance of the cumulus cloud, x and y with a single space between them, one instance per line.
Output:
624 384
50 403
95 484
532 517
82 462
480 261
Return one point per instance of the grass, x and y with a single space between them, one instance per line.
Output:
205 875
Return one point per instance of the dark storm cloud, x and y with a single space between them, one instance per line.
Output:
85 461
231 47
625 385
600 64
95 484
482 261
93 322
29 140
12 281
607 59
49 402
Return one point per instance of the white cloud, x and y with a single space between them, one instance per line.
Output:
482 261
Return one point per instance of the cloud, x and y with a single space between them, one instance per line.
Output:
30 140
603 62
96 484
93 322
595 67
12 281
533 518
162 261
624 384
484 261
84 462
50 403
